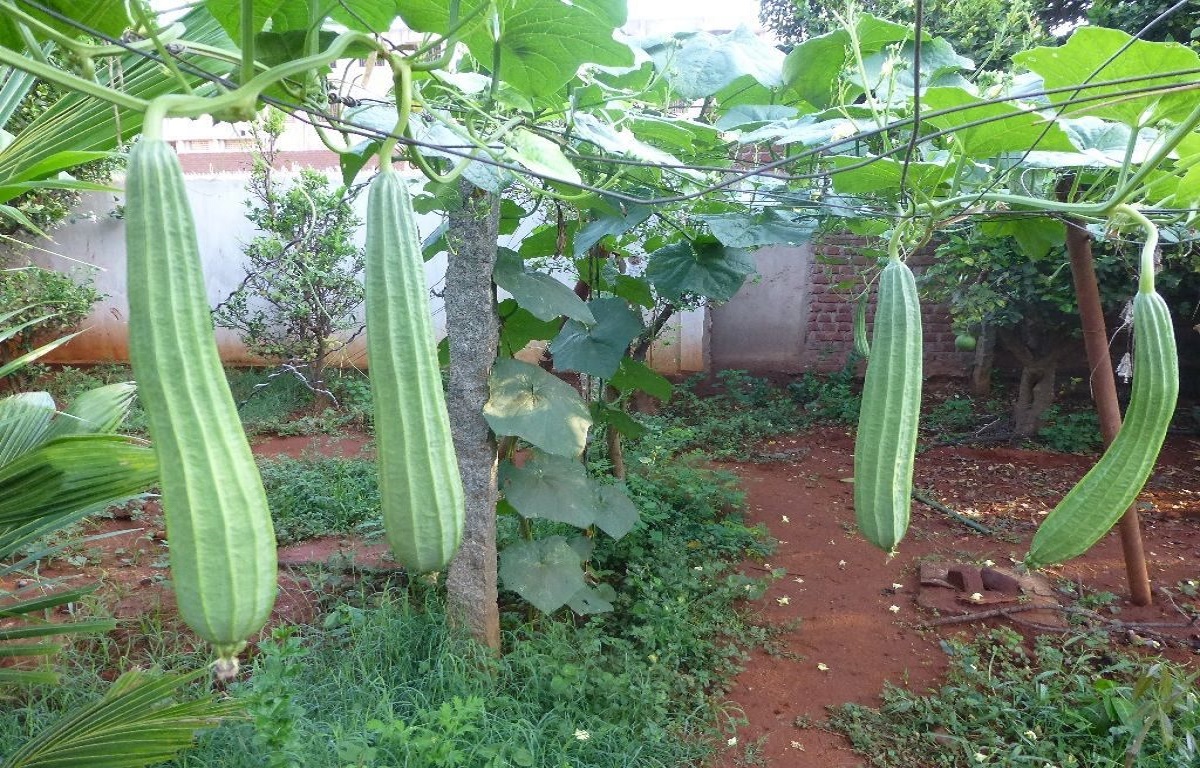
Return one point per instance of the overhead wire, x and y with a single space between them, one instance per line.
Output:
312 114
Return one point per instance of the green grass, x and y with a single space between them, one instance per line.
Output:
320 496
1078 701
382 680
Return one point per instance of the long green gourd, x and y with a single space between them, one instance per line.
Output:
222 545
886 443
1091 508
420 487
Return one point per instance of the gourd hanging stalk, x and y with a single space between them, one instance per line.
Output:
1091 508
886 442
421 491
222 545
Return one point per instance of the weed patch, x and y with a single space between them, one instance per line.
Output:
1081 702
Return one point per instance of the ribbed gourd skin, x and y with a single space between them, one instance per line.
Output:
1095 504
222 544
886 442
419 483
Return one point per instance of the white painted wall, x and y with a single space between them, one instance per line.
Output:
92 240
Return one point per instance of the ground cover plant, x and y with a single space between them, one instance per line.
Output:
380 678
1078 701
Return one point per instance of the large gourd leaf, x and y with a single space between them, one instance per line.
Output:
597 349
1084 58
1017 132
543 296
541 43
537 407
635 375
552 488
703 267
699 64
768 227
615 514
546 572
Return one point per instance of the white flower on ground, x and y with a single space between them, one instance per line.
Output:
582 735
732 742
894 609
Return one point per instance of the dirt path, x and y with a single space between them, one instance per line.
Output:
857 613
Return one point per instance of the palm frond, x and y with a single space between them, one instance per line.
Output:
137 723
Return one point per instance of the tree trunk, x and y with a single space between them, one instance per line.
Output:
1038 368
985 355
1034 396
316 380
474 332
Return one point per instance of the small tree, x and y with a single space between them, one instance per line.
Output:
1028 303
302 288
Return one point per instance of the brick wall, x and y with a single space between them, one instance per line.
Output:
835 283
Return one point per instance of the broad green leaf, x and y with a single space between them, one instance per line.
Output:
882 176
551 488
597 349
541 156
1084 59
104 16
635 290
275 48
807 130
435 128
1036 236
634 375
699 64
537 407
681 136
356 159
1187 193
1107 143
545 297
365 15
754 115
617 141
1015 132
545 572
229 13
890 74
616 514
768 227
703 267
814 67
593 600
541 44
614 224
518 327
618 420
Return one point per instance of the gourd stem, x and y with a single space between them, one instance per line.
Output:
1146 268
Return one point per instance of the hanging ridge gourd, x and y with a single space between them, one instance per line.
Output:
222 544
420 487
1098 500
886 442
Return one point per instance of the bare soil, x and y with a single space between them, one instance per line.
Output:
850 620
855 619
